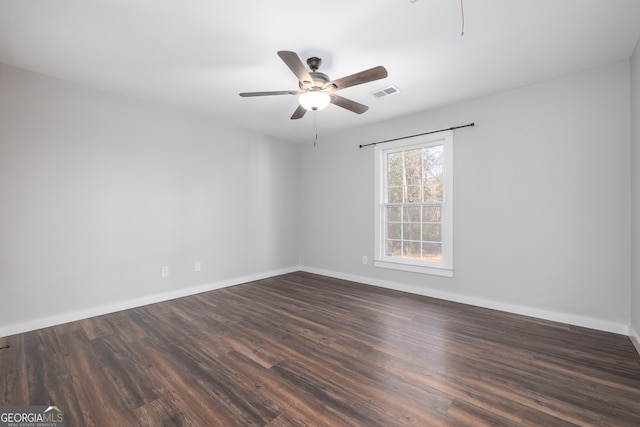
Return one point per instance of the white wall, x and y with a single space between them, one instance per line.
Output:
542 201
635 197
97 192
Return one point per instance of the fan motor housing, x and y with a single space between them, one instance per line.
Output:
320 80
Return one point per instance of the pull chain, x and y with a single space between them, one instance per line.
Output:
315 127
462 13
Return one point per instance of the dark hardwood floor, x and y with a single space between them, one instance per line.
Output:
307 350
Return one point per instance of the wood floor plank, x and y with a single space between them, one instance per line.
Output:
164 411
129 371
198 404
14 383
98 399
45 364
284 394
307 350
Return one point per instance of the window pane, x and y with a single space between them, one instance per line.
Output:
432 232
411 231
412 214
432 213
394 213
434 190
412 250
395 195
413 166
393 248
432 252
414 194
394 231
433 161
394 169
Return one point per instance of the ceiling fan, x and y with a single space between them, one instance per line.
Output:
317 90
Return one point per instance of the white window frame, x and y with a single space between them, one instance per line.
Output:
445 267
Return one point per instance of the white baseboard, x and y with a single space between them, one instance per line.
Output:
635 338
571 319
136 302
588 322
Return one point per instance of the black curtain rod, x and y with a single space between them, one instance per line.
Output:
418 134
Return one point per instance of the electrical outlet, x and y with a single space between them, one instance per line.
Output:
197 266
164 272
365 259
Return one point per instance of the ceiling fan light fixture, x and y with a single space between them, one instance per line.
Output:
317 89
314 100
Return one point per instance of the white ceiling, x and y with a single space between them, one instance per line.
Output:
199 54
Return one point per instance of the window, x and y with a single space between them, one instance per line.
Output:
414 201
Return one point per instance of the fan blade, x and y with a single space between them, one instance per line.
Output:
279 92
375 73
295 64
299 113
348 104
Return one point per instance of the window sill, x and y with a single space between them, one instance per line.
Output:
414 268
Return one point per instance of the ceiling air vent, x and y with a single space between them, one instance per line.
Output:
391 90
